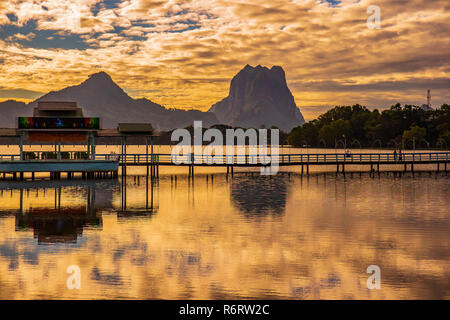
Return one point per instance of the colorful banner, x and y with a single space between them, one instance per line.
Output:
59 123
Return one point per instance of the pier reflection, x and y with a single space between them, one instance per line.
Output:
136 210
59 211
57 226
68 209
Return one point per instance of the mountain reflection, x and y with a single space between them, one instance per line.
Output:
257 196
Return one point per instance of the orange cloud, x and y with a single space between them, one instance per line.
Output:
156 49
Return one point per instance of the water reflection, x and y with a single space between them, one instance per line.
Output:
211 237
133 212
259 196
62 222
55 226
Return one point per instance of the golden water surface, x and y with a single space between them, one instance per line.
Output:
217 237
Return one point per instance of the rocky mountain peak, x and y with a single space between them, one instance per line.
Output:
259 96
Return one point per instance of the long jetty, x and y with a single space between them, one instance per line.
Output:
105 166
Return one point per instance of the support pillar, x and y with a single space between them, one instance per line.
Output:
88 143
59 151
21 145
93 146
124 161
146 153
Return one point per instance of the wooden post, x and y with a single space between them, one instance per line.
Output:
146 153
93 146
88 142
21 145
59 151
125 154
152 156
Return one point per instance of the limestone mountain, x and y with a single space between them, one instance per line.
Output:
100 96
10 110
259 97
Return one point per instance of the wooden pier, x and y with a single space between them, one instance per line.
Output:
86 168
105 167
373 161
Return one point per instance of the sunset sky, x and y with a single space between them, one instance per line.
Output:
184 53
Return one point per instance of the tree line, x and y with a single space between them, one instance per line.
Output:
356 126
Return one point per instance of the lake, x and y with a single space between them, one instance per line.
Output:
244 236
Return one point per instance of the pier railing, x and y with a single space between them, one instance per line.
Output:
286 159
252 159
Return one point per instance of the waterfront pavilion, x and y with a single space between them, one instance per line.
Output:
56 123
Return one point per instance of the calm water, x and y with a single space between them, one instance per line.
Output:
214 237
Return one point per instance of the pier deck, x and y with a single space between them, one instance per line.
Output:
108 163
87 168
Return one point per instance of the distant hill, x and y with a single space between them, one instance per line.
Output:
10 110
259 97
100 96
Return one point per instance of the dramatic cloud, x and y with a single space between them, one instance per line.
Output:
183 53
